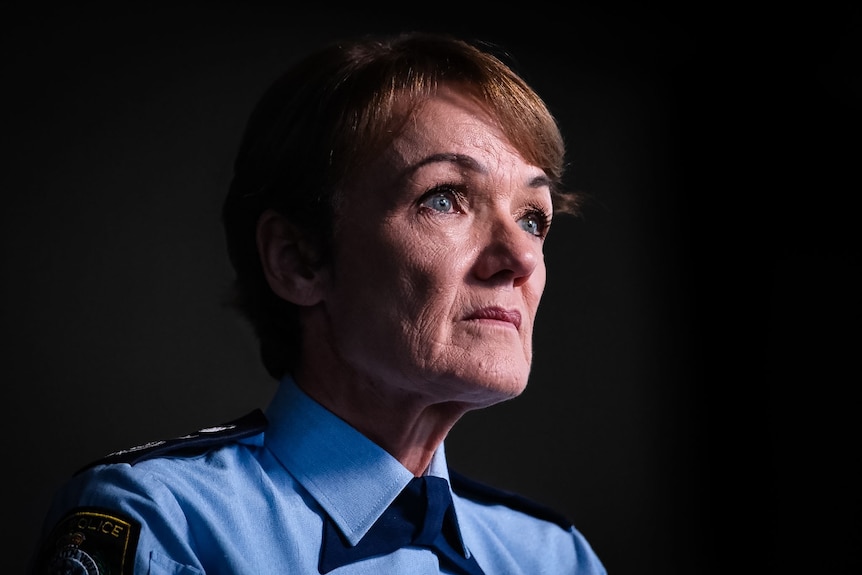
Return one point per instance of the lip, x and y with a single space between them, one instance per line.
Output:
495 313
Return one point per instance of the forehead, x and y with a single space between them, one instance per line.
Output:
450 128
447 137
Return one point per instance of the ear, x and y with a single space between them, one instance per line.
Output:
287 260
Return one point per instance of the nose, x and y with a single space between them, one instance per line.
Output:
508 253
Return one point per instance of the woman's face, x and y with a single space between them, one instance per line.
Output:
438 266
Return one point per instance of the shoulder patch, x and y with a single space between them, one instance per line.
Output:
477 491
90 541
250 424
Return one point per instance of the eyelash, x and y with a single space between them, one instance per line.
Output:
459 198
454 190
542 216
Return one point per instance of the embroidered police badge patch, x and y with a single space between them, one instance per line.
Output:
90 541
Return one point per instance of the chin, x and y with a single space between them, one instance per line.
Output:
484 392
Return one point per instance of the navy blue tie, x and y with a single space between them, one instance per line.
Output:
422 515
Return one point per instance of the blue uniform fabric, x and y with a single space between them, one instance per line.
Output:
257 505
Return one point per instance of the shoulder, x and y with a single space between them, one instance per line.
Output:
504 530
479 492
196 442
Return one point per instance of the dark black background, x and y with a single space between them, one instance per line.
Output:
693 401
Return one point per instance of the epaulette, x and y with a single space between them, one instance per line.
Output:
471 489
250 424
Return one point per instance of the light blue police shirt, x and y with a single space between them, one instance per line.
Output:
256 505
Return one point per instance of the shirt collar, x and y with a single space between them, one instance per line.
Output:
353 479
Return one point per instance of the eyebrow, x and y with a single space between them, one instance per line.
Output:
471 164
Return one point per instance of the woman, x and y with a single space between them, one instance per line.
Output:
386 220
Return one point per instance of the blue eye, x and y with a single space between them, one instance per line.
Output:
535 223
440 200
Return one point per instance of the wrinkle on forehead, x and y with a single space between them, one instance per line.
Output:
475 127
453 127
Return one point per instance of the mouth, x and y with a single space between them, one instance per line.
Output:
496 314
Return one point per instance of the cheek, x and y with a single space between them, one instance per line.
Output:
534 287
428 288
537 280
430 264
393 281
432 283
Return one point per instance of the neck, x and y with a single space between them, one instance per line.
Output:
407 426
